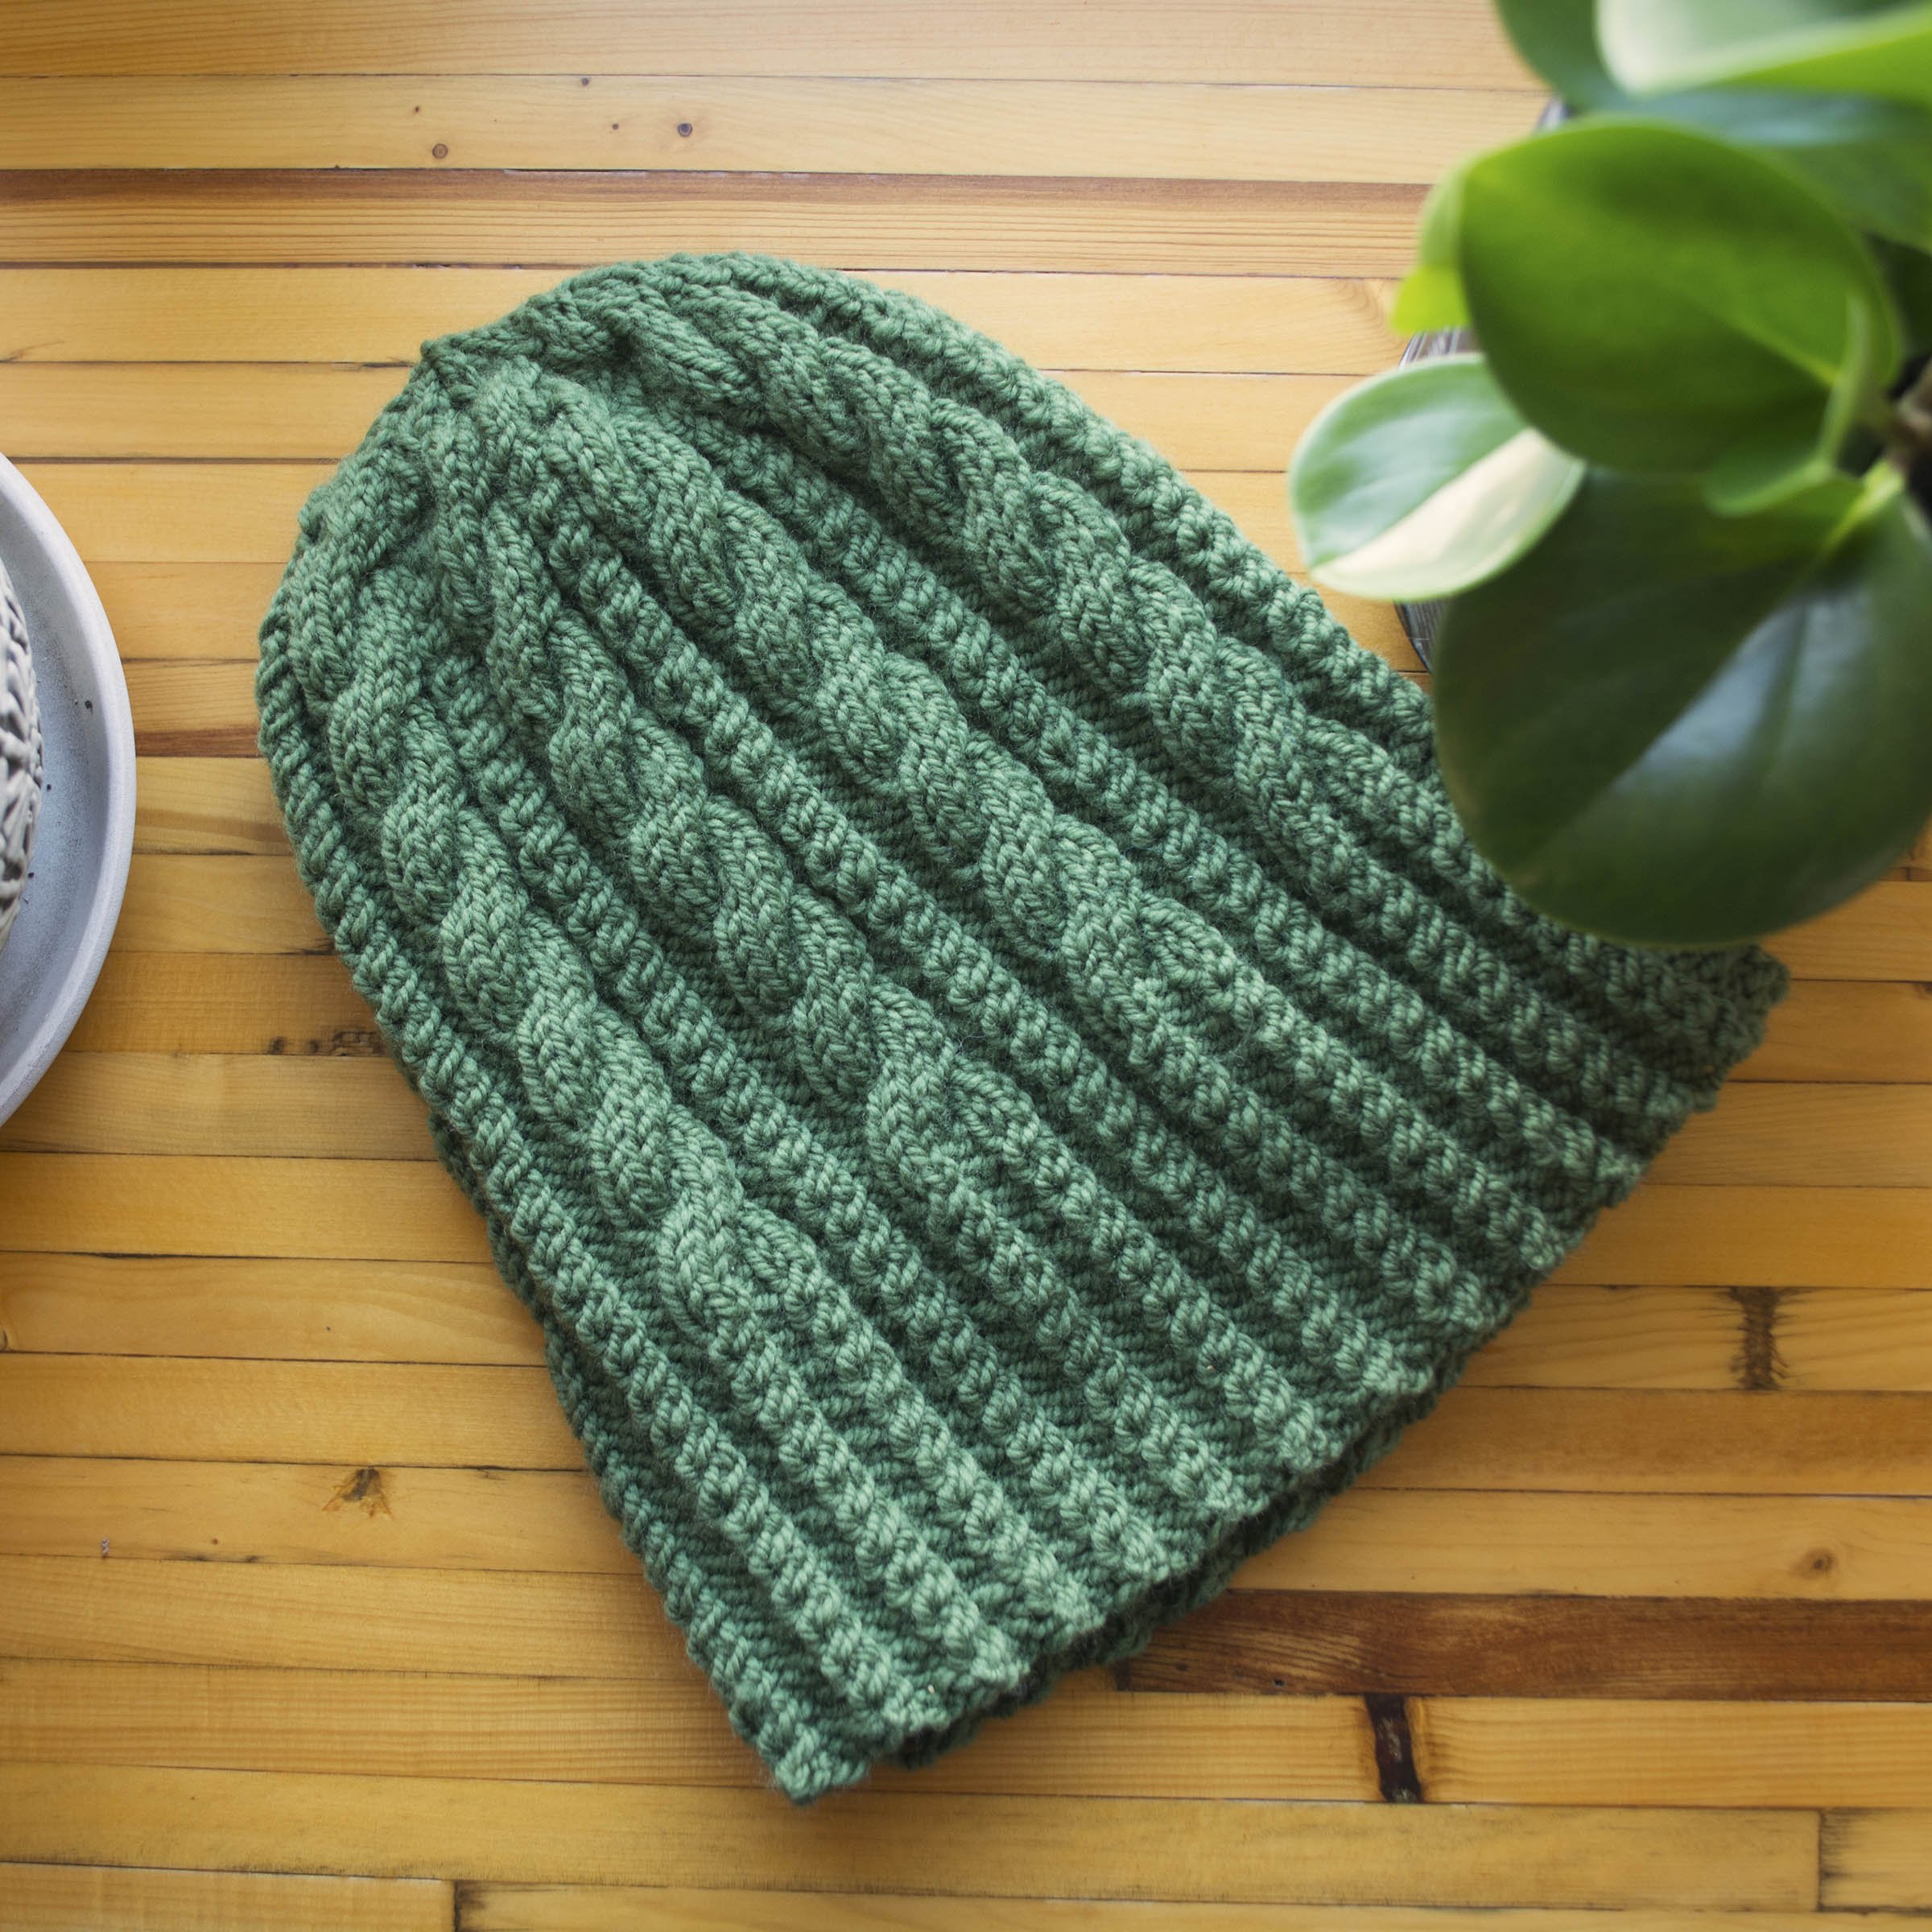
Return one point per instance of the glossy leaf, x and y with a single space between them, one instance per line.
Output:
1431 297
1788 457
1422 481
1872 159
1677 729
1558 38
1855 47
1653 299
1908 272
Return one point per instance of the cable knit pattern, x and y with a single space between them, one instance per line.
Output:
953 983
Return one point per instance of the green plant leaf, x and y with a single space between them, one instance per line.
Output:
1853 47
1430 295
1423 480
1558 38
1908 272
1872 159
1652 298
1677 729
1788 457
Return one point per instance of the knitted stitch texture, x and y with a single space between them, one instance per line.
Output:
953 982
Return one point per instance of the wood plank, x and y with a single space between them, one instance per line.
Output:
225 903
357 1108
65 1898
288 411
1854 1339
1616 1338
202 1002
496 1908
1596 1438
1139 130
188 708
1770 1237
462 1519
375 1312
1883 934
1258 1643
1230 324
942 1843
1869 1858
1452 44
390 1312
193 512
1489 1544
1090 1741
185 610
205 513
1847 1030
1843 1136
1626 1752
503 1416
316 1617
201 611
230 1003
1805 1134
295 218
192 804
177 512
406 1211
1500 1544
147 410
377 1210
1254 1643
486 1416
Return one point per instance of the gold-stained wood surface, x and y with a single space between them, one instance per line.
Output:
309 1617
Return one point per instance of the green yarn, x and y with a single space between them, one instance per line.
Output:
953 983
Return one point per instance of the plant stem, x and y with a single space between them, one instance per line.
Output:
1912 423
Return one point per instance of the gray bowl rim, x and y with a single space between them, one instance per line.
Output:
91 638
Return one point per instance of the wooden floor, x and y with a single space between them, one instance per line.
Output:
308 1615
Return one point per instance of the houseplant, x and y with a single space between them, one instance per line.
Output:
1684 681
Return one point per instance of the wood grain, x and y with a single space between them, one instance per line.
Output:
1624 1751
504 1415
303 1309
1255 1643
60 1898
376 215
1258 1643
186 610
496 1908
989 1846
408 1211
1490 1543
1134 130
1847 1032
309 411
666 1731
1449 42
223 1002
191 513
1876 1858
1228 324
184 804
133 1103
235 1003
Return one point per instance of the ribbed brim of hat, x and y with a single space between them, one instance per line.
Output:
951 981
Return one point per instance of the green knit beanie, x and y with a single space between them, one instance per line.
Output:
953 983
